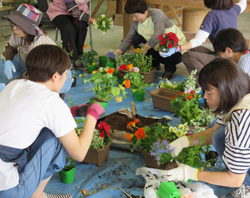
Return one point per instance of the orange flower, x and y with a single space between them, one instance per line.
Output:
84 191
93 72
190 97
129 136
110 70
140 133
131 124
173 97
85 46
136 120
137 50
127 83
130 67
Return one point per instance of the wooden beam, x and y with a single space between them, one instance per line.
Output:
96 8
175 15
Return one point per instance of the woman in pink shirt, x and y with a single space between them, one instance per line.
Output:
71 17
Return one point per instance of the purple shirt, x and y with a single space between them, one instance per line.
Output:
217 20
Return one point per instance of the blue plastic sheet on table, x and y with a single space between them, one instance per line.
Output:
119 169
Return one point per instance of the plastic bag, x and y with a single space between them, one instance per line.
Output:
154 178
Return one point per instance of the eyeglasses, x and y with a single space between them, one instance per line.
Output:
134 15
13 25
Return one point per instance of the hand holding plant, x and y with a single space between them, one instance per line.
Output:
168 41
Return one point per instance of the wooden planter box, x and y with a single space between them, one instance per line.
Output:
161 98
149 76
97 156
152 163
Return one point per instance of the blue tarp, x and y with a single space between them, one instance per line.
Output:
119 169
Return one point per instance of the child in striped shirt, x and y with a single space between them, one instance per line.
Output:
226 90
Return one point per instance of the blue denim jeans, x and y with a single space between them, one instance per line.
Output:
219 145
50 158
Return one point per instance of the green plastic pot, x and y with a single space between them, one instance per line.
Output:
67 176
102 61
104 104
111 64
139 96
168 190
91 68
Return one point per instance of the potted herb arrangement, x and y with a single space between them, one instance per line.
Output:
67 174
135 81
88 59
144 63
104 87
111 59
99 148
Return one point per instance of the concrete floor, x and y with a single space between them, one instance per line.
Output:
103 43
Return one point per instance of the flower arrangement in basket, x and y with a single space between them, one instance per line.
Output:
103 23
187 83
168 41
102 136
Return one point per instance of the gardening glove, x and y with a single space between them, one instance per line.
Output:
179 144
182 173
95 110
170 52
8 68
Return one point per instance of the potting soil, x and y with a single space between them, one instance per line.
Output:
119 170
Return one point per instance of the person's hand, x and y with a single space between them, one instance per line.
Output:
8 68
179 144
181 173
170 52
95 110
118 51
91 20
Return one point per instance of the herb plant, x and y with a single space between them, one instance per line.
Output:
104 86
143 62
136 81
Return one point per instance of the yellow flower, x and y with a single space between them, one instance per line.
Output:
93 72
118 99
179 133
121 87
93 63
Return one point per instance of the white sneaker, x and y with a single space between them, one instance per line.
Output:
241 192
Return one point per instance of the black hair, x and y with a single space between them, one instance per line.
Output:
219 4
233 83
231 38
136 6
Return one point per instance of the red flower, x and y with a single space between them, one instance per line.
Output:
160 37
122 74
122 67
140 133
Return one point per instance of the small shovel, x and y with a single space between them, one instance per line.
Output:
133 109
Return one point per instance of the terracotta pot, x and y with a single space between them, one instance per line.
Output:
152 163
67 176
97 156
161 98
149 76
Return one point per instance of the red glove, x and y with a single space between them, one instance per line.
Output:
95 110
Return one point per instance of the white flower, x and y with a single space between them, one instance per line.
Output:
103 15
171 129
110 19
181 127
175 129
111 23
101 69
94 22
179 133
96 26
104 32
104 22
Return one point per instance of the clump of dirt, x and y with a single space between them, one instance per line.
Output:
119 122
